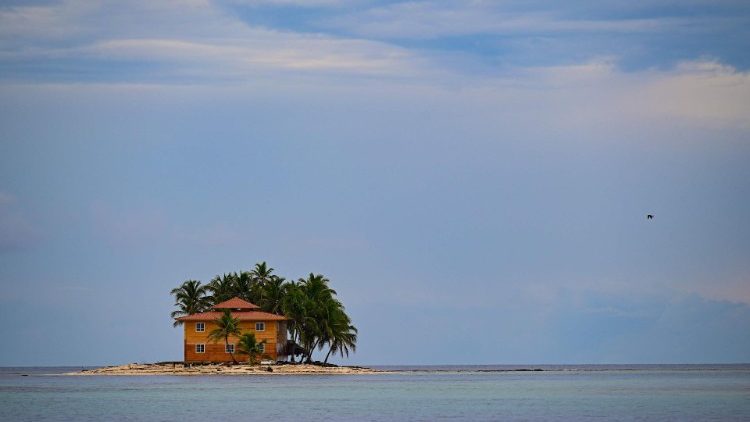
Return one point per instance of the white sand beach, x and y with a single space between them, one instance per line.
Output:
223 369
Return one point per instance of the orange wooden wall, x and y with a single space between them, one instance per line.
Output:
274 333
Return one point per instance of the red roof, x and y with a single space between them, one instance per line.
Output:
235 303
242 316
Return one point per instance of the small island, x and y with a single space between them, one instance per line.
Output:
181 368
255 322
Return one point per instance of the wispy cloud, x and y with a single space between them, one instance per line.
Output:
701 92
735 288
266 51
190 36
49 23
198 42
430 19
295 3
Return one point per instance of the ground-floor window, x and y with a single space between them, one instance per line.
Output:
229 348
200 348
262 347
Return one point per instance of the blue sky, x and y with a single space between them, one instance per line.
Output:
472 176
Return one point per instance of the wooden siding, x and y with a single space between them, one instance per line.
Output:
215 350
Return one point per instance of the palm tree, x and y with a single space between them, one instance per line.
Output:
273 295
316 287
317 319
190 298
293 307
344 343
226 326
319 301
341 335
243 286
222 287
261 274
250 347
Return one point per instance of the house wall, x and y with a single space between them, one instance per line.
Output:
215 350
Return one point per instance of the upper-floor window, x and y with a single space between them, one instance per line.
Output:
200 348
200 327
260 326
229 348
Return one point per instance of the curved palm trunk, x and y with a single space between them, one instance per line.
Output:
310 352
307 355
294 346
325 361
226 346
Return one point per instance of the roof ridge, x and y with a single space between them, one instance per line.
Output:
235 303
252 315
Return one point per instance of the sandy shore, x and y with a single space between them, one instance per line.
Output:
219 369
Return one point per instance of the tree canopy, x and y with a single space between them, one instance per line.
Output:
190 298
318 320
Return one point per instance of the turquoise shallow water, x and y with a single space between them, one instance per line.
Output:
486 393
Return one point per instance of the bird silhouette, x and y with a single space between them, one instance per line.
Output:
649 217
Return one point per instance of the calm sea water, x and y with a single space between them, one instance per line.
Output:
476 393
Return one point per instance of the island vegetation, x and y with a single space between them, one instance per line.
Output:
317 319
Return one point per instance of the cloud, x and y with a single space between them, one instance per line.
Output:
295 3
704 90
735 289
197 43
193 38
429 19
701 92
266 51
47 23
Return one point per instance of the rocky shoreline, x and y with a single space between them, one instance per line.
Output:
180 368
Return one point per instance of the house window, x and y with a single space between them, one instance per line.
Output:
260 326
200 348
229 348
262 347
200 327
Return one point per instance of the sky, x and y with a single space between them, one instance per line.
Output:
472 176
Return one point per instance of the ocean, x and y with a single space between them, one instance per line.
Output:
414 393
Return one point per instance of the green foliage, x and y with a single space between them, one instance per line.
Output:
226 325
222 287
339 333
318 320
261 276
272 297
250 347
190 298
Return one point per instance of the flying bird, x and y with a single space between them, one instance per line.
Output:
649 217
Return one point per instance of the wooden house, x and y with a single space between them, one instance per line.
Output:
265 326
